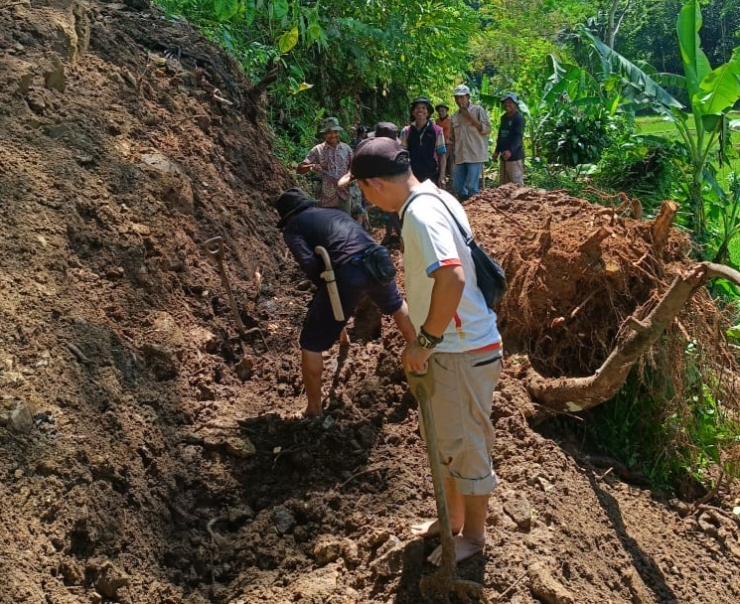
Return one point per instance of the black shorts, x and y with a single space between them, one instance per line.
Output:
320 329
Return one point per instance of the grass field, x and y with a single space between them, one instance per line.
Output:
655 124
659 126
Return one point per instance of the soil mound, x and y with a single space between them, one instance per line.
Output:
147 450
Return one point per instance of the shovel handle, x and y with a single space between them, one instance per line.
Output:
418 389
215 252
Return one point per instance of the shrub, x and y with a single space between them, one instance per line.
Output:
574 135
642 167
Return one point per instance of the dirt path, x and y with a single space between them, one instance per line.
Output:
147 453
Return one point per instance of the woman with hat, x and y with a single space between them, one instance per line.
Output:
329 160
425 142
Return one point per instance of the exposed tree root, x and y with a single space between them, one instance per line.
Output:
637 334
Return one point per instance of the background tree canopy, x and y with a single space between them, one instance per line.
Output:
364 60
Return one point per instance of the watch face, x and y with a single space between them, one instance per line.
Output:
424 342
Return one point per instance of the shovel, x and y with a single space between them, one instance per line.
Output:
215 252
445 580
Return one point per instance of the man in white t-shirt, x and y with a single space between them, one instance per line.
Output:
458 343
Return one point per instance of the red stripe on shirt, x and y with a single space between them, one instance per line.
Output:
489 348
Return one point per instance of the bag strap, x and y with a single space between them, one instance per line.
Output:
469 239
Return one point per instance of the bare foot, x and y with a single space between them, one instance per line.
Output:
464 549
312 412
430 528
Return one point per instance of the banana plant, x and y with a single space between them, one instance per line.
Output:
703 124
712 93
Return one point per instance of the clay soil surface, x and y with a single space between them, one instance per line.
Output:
148 451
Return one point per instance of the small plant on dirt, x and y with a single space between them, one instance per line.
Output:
543 175
707 430
631 428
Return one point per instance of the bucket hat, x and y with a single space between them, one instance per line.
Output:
292 201
461 90
512 96
438 105
380 156
330 123
421 100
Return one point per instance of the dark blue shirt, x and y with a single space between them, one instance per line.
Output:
510 134
332 229
422 145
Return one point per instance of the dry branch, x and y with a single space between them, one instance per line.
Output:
662 225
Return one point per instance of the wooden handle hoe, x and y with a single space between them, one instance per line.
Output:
445 580
215 251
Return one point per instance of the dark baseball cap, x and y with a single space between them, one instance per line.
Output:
377 157
384 130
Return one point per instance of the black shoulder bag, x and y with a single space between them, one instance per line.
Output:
489 274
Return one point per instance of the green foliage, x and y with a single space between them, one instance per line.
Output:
360 61
512 49
710 93
644 167
576 118
723 225
575 134
669 432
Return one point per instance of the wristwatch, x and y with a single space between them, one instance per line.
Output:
425 340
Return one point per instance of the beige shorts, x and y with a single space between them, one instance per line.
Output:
511 171
461 389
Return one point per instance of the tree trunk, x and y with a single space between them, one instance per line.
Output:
613 24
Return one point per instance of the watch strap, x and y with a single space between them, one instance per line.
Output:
435 340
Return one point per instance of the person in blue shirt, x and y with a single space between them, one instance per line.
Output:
509 143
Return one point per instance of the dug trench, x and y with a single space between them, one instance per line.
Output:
149 452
